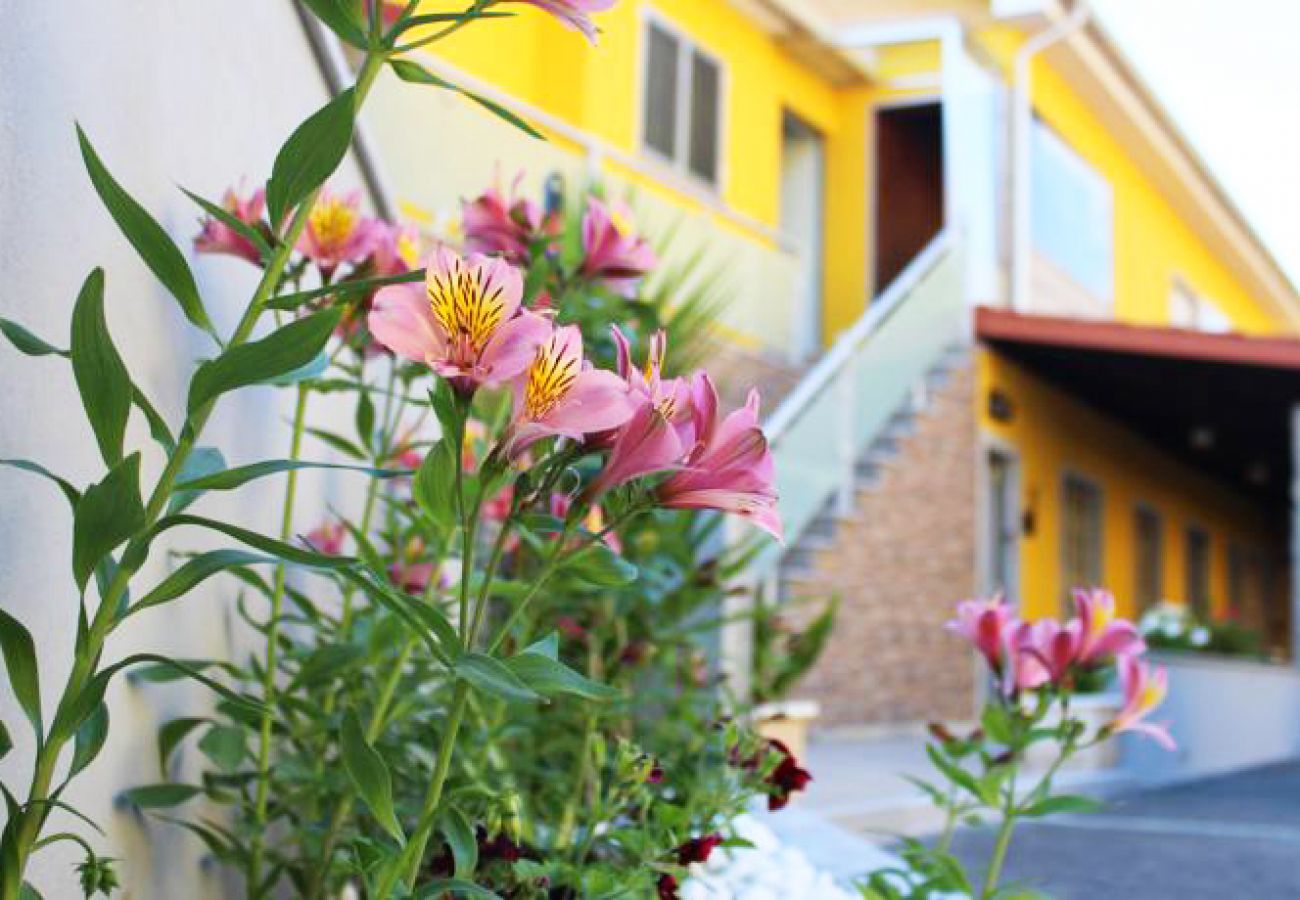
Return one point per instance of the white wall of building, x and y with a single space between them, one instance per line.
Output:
172 93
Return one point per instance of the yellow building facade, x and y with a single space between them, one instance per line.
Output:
921 119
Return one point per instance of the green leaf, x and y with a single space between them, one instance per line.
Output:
195 571
416 74
224 745
370 775
1063 803
90 739
997 723
26 342
440 887
170 735
343 289
73 495
310 155
365 419
202 461
153 796
20 662
315 368
549 677
343 17
6 742
338 442
287 552
956 774
72 713
148 238
283 350
462 840
101 375
232 478
108 514
233 222
158 429
492 677
601 566
434 487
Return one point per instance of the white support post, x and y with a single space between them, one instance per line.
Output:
1295 535
736 639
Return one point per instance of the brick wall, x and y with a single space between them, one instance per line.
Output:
899 566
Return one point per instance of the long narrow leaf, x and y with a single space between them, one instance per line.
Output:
101 375
148 238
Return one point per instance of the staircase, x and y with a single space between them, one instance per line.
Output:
800 560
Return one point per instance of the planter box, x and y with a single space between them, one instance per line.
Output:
1225 713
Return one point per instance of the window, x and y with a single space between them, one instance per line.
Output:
1081 534
1198 572
1149 553
1188 309
682 105
1071 213
1248 585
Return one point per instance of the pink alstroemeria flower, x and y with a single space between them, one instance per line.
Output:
730 467
575 14
465 324
560 394
327 538
614 252
494 225
1144 691
986 625
661 430
1045 652
396 248
1104 636
218 237
336 231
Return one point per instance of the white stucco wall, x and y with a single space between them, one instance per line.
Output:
187 93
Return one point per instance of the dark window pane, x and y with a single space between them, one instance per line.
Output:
661 91
704 118
1081 536
1198 573
1150 559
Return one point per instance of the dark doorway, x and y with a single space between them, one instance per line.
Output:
909 185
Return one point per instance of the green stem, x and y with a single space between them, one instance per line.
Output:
1003 842
414 853
272 655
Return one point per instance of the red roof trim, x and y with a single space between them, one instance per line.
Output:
998 325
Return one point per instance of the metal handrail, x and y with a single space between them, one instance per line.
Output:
846 347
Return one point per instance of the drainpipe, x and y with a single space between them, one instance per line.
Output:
1021 122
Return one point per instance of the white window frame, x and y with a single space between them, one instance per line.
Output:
687 47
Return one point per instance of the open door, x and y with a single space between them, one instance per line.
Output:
908 185
803 177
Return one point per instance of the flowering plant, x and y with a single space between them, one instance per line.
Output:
443 697
1167 626
1034 668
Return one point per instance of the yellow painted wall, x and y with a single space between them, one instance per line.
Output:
533 58
1054 434
1152 244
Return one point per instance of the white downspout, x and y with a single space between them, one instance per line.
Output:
1021 122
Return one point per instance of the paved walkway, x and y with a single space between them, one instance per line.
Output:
1236 837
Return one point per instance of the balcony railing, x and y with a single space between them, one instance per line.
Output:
824 427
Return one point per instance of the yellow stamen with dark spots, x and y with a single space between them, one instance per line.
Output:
467 308
622 224
552 374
